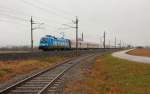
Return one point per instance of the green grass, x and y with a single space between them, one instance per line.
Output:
130 77
111 75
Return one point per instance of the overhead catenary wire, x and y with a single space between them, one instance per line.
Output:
14 22
11 16
13 11
8 11
44 9
53 8
47 20
14 17
24 20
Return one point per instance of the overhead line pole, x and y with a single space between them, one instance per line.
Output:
120 44
115 42
104 43
100 42
109 44
77 21
82 37
32 22
31 34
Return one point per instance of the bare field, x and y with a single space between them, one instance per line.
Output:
110 75
140 52
10 69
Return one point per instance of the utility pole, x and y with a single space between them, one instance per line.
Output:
32 22
82 37
77 21
115 42
109 44
104 44
100 41
31 34
120 44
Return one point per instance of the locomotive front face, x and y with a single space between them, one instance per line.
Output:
43 43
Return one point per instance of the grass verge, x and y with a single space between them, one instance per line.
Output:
113 76
10 69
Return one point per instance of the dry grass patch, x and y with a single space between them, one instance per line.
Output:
140 52
10 69
113 76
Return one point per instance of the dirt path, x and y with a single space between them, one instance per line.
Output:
124 55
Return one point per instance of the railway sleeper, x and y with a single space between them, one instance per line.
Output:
55 89
29 88
36 83
51 92
26 85
41 80
50 75
23 92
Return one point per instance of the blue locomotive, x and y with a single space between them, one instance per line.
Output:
49 42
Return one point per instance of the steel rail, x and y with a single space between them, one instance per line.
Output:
6 90
67 67
56 78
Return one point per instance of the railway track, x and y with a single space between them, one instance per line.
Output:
45 82
34 55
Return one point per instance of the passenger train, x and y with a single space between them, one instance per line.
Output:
49 42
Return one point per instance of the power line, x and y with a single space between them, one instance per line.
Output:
39 18
47 20
8 10
10 21
14 17
18 18
104 43
60 10
50 26
44 9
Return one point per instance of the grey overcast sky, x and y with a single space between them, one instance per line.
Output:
128 20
